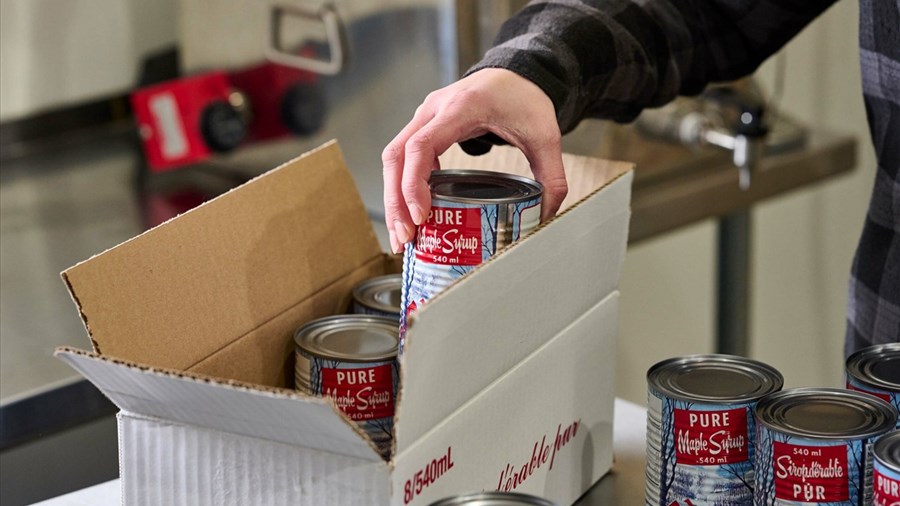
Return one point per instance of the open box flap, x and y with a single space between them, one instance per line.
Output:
457 348
178 293
274 415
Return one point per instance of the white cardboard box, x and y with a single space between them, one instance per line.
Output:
507 379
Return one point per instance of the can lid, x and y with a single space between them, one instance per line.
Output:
826 413
350 338
714 379
887 450
481 186
877 366
381 293
493 499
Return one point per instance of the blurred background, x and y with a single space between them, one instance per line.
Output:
116 115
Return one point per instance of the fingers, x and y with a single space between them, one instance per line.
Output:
490 100
421 158
528 121
545 158
396 214
409 159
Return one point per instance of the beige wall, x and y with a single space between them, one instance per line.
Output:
803 242
58 52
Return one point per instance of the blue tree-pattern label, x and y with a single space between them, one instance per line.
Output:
699 454
365 392
454 239
892 398
792 470
886 484
363 309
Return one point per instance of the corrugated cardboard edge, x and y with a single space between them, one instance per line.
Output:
84 320
283 393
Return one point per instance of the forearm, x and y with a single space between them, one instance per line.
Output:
612 58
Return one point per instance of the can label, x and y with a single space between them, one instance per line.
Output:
362 393
364 309
452 236
698 453
711 437
365 392
886 484
810 473
892 398
453 240
791 470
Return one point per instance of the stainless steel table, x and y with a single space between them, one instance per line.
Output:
623 486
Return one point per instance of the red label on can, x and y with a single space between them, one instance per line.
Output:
887 489
810 473
705 438
365 393
881 395
450 236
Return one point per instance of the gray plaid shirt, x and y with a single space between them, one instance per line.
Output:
612 58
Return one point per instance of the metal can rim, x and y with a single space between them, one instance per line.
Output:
493 498
859 365
770 379
532 188
767 411
307 331
363 292
887 451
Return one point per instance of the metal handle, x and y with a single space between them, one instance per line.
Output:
327 15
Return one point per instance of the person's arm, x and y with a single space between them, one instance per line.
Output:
612 58
557 62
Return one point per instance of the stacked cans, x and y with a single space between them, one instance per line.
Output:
813 446
473 215
721 431
352 359
886 470
876 371
700 427
378 296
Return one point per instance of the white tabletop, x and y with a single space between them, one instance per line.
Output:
625 483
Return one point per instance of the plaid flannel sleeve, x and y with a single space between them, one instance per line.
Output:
612 58
873 302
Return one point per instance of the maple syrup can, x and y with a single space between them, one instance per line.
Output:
876 370
886 470
700 428
378 296
813 446
493 499
352 359
473 215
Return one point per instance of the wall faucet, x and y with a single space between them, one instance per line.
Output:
732 121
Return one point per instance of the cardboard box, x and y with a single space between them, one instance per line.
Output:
507 380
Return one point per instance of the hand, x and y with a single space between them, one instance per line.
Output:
491 100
